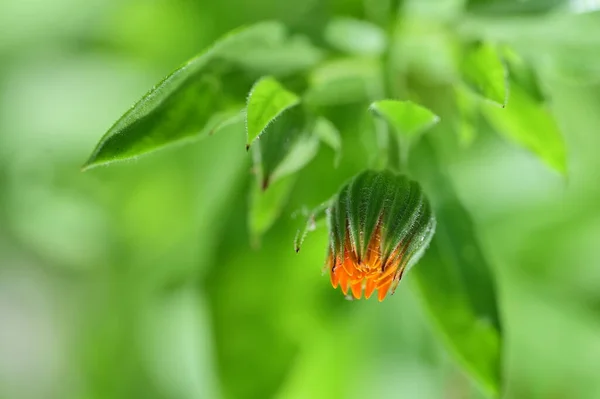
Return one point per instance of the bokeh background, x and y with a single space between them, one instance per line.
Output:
138 280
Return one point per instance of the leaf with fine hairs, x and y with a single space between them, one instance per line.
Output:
179 107
267 100
286 146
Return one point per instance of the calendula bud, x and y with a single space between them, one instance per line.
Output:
380 223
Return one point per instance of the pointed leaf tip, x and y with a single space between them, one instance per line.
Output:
312 221
265 184
178 108
286 146
530 124
484 72
267 100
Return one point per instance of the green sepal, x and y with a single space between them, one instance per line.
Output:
385 200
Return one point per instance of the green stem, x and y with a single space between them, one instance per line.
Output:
394 88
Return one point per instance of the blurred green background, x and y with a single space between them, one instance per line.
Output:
138 280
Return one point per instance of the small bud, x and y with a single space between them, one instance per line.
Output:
380 223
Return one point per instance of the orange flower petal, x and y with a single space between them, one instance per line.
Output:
369 288
332 262
348 266
334 277
384 288
397 279
368 244
357 289
389 272
343 279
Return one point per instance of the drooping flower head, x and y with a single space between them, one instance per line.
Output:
380 223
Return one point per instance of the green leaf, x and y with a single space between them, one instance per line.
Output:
267 100
522 74
574 33
266 205
299 155
456 282
178 107
406 117
181 115
529 123
467 111
313 219
344 81
354 36
483 71
286 146
511 7
175 328
577 67
223 119
380 143
328 134
280 58
472 338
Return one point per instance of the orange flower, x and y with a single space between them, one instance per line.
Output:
380 224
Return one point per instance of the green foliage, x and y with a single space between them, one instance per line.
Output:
299 96
330 135
344 81
287 145
180 106
456 282
443 278
512 7
222 120
164 116
266 101
483 71
530 124
354 36
266 205
282 56
467 111
522 74
407 118
147 280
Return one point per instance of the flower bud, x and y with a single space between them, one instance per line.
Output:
380 223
